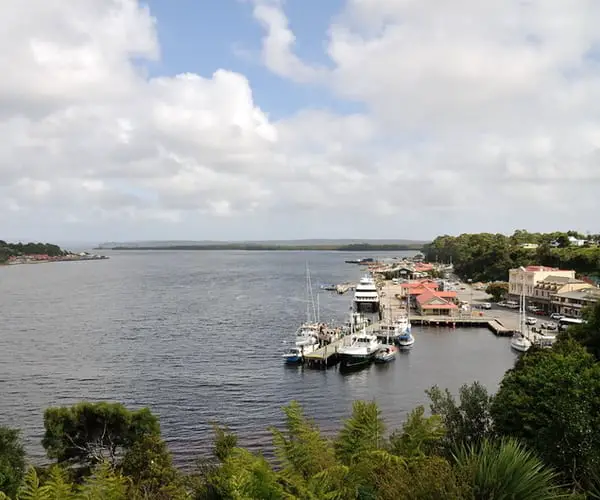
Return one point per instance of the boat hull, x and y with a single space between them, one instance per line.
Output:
371 307
385 359
293 359
520 347
405 344
355 362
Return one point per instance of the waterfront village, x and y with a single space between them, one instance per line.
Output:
395 294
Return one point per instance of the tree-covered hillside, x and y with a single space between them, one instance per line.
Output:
488 257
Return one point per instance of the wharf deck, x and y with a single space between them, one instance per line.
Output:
327 355
461 321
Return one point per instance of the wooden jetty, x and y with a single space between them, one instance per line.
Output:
344 287
327 355
461 322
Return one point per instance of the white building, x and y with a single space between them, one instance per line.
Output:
524 279
576 242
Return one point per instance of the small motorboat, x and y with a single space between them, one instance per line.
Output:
405 341
293 356
386 354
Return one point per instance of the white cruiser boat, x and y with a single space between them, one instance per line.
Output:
366 295
520 343
361 351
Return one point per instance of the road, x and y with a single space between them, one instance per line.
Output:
508 317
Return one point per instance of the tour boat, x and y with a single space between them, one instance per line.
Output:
366 295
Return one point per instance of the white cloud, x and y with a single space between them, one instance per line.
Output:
476 116
482 106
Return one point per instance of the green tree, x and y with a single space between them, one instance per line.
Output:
551 401
498 290
149 466
466 422
87 434
244 476
587 334
504 469
362 432
301 450
12 461
420 436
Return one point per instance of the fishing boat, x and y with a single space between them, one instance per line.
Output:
405 341
402 331
360 352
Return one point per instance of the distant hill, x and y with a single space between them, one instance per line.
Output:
304 244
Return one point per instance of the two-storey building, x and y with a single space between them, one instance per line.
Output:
550 286
572 303
524 279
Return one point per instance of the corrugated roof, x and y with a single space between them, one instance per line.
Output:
564 280
588 293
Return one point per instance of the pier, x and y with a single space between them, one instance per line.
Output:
327 355
492 324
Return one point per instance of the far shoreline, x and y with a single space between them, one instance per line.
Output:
231 247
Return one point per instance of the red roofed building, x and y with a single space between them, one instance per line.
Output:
431 304
421 267
417 288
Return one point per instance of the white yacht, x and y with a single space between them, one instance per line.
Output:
366 295
360 351
519 342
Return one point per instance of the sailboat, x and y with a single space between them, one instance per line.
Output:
520 341
307 335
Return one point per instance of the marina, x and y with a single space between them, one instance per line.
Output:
385 308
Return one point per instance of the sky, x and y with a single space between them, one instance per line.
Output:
270 119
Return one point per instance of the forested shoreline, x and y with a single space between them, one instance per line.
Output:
537 438
8 250
353 247
488 256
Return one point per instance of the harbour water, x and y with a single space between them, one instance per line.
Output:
197 336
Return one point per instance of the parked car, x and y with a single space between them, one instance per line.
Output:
530 321
556 316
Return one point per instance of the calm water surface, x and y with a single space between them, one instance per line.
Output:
197 337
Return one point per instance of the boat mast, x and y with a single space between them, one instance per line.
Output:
522 306
318 309
310 296
307 295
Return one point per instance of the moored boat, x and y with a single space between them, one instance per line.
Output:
366 295
386 354
360 352
520 343
405 341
